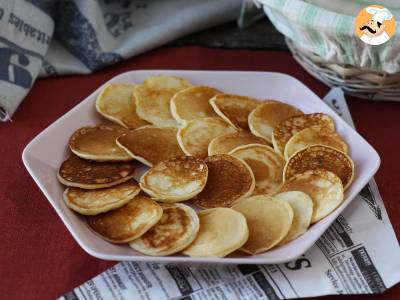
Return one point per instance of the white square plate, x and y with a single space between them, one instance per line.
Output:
45 153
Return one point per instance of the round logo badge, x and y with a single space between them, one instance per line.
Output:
375 25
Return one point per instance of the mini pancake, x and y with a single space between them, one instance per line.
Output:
195 135
116 103
86 174
150 145
225 143
175 179
314 136
324 188
153 99
193 103
222 231
234 109
176 229
266 165
321 157
302 206
98 143
266 116
269 221
128 222
93 202
229 180
287 128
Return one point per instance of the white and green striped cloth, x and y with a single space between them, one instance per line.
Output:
326 27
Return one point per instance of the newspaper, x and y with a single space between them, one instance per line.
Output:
358 254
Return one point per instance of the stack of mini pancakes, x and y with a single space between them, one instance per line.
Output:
259 172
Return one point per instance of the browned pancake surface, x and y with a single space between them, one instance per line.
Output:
321 157
151 143
185 168
127 222
287 128
76 170
227 142
100 198
175 221
266 116
98 142
235 108
192 103
229 180
175 179
116 102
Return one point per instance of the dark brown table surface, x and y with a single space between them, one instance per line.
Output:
39 258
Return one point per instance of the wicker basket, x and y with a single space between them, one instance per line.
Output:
358 82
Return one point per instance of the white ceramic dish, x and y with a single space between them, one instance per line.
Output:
45 153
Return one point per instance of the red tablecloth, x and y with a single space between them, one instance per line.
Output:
38 257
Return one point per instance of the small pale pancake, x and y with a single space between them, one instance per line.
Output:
266 165
93 202
269 220
128 222
98 143
321 157
176 229
225 143
153 99
314 136
222 231
116 103
287 128
150 145
229 180
86 174
266 116
195 135
302 206
234 109
193 103
324 188
176 179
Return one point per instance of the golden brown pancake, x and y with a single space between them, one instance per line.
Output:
266 116
287 128
128 222
195 136
225 143
229 180
98 143
222 231
193 103
234 109
176 229
175 179
150 145
86 174
153 99
117 103
93 202
314 136
324 188
266 165
269 220
321 157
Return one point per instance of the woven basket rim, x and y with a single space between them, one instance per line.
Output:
367 84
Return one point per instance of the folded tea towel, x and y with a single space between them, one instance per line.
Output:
326 27
52 37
